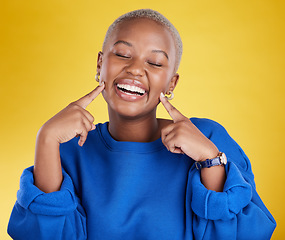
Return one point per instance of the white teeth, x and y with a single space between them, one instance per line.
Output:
131 88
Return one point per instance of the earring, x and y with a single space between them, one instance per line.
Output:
98 79
171 95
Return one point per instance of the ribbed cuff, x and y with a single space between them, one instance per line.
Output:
56 203
224 205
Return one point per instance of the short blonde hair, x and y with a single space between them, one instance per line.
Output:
155 16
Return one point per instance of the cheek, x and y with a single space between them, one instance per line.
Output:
109 71
160 82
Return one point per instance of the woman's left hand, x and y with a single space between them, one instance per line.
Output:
182 136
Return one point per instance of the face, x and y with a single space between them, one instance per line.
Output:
137 64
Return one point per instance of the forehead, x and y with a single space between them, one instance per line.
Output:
144 31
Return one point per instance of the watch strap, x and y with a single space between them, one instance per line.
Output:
208 163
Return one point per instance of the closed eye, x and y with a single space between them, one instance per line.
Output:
155 64
122 56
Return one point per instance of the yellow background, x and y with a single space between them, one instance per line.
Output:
232 71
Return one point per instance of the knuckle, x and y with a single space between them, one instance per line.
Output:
171 149
73 104
183 123
172 108
84 134
88 95
78 112
90 116
74 107
77 116
90 126
83 125
77 108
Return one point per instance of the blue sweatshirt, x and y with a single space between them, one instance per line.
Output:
140 191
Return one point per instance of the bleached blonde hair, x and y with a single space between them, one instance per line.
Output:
155 16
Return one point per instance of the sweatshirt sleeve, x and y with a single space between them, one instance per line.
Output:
237 212
39 215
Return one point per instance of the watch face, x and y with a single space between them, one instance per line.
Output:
223 159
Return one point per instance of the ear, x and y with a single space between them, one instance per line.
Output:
99 61
173 82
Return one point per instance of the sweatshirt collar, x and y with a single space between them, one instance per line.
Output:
124 146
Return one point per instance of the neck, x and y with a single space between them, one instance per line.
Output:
138 129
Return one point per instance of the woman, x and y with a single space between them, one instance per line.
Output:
136 176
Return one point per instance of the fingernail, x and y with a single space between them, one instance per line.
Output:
161 94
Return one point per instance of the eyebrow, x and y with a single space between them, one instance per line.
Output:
130 45
160 51
124 42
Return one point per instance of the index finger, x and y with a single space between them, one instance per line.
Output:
172 111
88 98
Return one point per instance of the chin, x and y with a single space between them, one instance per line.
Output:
129 111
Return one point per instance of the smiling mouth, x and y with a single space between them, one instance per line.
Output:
130 89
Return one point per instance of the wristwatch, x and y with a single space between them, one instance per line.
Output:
221 159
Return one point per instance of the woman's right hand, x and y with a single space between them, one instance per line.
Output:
72 121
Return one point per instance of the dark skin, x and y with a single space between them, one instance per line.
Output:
140 53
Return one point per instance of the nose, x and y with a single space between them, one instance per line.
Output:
136 68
